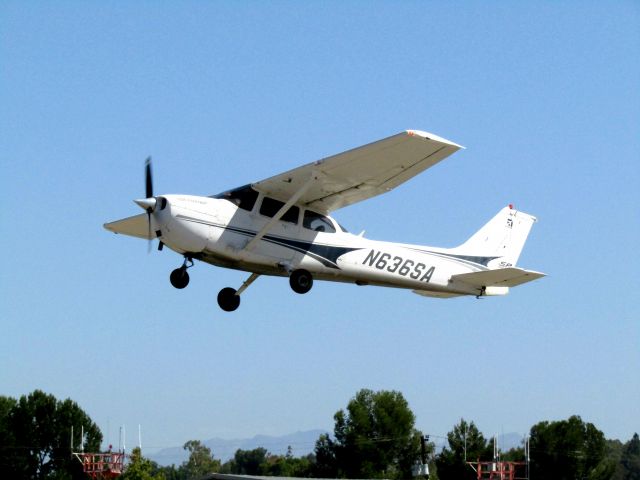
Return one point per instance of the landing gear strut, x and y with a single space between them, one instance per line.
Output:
229 298
179 278
301 281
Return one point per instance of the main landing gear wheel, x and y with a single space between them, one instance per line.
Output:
179 277
228 299
301 281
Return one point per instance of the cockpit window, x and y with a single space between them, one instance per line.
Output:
316 222
243 197
271 206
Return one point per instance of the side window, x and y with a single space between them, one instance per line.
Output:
270 207
316 222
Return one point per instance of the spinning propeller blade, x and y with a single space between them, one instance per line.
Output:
149 202
149 194
147 178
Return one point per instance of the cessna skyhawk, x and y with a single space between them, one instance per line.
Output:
281 226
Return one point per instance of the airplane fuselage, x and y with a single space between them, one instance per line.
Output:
216 231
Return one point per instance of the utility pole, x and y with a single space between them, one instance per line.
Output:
422 469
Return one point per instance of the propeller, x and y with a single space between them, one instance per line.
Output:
148 179
149 202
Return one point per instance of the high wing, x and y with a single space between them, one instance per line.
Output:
361 173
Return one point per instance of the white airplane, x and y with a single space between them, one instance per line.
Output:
281 226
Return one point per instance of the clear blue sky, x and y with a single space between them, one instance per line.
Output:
544 95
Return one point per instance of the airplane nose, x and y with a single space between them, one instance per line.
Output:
147 204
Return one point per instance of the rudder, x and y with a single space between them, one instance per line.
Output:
502 237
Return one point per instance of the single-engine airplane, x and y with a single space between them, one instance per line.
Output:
281 226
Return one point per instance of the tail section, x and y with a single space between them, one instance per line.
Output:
501 239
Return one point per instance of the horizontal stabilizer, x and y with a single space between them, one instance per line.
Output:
501 277
136 226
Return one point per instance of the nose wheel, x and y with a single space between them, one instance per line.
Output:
179 278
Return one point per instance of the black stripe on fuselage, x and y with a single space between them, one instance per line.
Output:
326 254
471 260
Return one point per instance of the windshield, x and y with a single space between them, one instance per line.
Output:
243 197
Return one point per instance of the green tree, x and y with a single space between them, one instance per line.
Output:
465 437
247 462
140 468
326 465
614 453
6 404
7 441
169 472
200 461
35 431
569 449
287 465
515 454
375 437
630 459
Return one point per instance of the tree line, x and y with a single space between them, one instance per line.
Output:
374 437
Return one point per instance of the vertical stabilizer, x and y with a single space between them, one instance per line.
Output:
501 237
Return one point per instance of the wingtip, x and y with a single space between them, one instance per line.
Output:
108 227
432 136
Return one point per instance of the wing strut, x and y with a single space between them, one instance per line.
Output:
294 198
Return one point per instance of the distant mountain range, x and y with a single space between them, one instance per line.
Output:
301 443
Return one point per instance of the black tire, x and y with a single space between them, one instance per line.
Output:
228 300
179 278
301 281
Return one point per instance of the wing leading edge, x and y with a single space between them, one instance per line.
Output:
360 173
